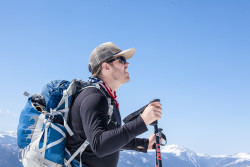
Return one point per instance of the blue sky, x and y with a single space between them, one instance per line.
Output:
193 55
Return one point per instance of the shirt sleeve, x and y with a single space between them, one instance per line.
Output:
93 113
137 144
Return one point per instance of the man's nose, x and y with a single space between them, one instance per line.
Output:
127 64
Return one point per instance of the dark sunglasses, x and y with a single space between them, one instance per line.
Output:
123 60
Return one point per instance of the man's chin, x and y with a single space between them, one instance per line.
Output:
128 79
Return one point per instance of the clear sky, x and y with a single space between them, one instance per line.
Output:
194 55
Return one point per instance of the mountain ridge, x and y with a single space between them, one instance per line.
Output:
172 155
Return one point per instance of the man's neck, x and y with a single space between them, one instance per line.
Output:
114 85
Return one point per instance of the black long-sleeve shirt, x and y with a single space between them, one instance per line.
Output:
88 119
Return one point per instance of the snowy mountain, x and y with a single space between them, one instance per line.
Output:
8 137
172 156
8 150
176 156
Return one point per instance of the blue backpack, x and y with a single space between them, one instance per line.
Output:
41 132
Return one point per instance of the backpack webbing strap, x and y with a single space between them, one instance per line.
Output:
37 128
71 133
43 149
66 101
45 132
78 151
27 94
111 109
59 140
54 112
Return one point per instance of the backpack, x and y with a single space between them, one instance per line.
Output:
42 128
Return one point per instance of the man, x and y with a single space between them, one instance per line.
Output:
90 116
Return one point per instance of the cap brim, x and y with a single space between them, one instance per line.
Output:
128 53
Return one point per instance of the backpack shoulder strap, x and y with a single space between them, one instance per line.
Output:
109 99
110 104
86 143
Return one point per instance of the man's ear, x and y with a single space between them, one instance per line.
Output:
105 66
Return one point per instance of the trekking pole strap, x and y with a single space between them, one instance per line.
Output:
135 114
162 136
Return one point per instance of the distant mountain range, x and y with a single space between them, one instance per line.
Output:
172 156
176 156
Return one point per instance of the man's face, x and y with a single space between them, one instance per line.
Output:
119 71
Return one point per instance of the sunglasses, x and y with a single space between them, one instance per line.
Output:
123 60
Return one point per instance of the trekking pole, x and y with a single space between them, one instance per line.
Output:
158 162
158 132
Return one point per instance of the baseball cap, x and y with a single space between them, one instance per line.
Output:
106 51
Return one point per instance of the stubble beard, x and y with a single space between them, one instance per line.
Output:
122 78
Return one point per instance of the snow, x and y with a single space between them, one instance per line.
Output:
244 156
144 160
174 149
128 162
240 156
8 133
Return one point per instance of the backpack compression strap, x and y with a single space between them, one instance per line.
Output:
78 151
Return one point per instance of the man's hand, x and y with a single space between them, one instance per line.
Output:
151 142
152 113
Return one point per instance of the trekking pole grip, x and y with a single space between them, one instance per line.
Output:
155 122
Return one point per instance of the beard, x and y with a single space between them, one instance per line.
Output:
121 76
